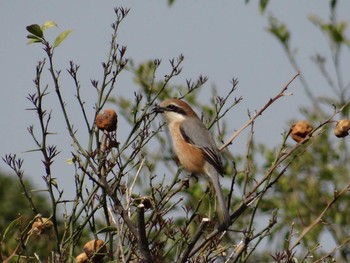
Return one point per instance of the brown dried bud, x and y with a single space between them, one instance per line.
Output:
300 130
342 128
41 224
81 258
95 249
107 120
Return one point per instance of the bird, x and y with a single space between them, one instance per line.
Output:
194 146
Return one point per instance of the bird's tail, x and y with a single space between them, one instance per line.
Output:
224 213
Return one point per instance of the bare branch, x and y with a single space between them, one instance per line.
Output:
260 112
193 241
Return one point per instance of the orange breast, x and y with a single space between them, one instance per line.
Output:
190 157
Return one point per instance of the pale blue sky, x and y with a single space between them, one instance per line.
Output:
219 39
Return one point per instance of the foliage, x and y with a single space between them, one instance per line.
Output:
16 215
150 212
315 179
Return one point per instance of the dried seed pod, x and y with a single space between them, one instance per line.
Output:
40 225
81 258
342 128
36 228
300 130
46 222
95 249
107 120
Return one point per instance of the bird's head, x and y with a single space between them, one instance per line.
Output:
175 110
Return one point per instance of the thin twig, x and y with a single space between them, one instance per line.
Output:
319 218
322 259
194 240
257 114
239 211
129 192
233 181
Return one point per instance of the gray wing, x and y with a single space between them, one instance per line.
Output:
195 133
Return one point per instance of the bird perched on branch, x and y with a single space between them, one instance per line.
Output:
194 146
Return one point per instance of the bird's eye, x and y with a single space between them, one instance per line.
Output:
172 107
175 108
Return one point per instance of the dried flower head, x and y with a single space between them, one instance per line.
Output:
342 128
300 130
95 249
40 225
107 120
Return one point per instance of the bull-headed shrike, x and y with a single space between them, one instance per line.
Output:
194 146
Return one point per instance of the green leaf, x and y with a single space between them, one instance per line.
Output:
70 161
62 37
171 2
316 20
336 35
263 5
48 24
35 29
33 39
333 4
279 30
11 227
54 183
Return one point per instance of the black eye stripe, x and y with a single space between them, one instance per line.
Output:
171 107
175 108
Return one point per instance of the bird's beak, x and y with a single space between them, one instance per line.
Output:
158 109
